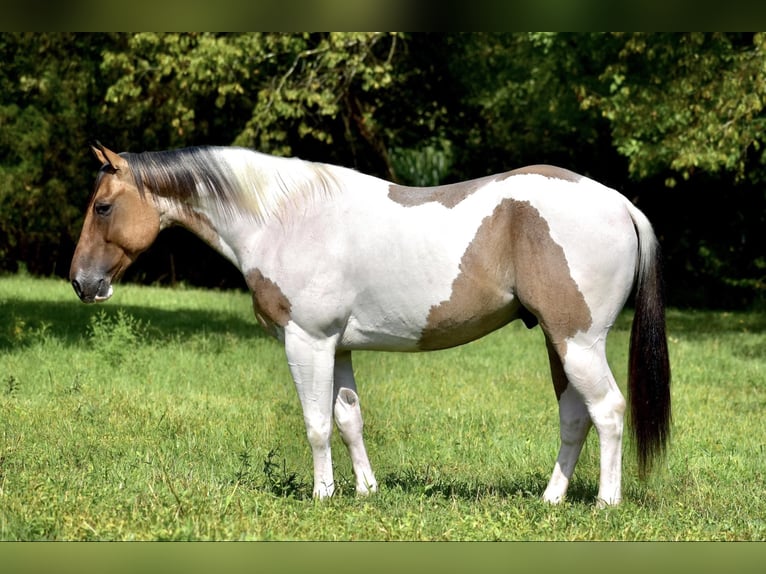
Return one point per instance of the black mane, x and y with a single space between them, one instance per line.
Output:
181 173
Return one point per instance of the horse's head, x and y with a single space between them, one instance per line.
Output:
119 224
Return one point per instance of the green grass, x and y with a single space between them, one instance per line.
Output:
168 415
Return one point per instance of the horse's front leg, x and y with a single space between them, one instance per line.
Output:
311 363
348 417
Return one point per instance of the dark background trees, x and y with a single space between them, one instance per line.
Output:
674 121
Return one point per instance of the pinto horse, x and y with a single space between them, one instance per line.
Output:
339 261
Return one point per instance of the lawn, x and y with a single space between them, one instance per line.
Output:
167 414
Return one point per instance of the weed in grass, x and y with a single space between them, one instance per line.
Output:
76 387
274 478
20 332
244 474
115 336
279 480
16 331
11 385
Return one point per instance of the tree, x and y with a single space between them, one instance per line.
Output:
673 120
685 103
46 91
273 92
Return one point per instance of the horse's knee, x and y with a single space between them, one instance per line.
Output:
318 432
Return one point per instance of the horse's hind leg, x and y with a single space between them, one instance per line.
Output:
574 423
348 417
591 395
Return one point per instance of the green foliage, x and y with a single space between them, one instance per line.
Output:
11 385
198 434
188 87
424 166
685 102
45 90
641 112
518 95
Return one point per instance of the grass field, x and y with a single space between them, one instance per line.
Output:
168 415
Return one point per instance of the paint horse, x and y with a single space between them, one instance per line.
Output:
339 261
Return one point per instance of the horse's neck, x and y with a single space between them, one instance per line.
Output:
271 191
174 213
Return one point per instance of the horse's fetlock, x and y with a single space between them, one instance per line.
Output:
602 504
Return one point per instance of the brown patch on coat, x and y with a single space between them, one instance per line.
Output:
543 280
202 227
545 170
557 369
271 307
482 298
448 195
452 194
134 222
512 269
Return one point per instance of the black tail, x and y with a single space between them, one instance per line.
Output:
649 364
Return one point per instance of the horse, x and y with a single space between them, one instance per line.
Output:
339 261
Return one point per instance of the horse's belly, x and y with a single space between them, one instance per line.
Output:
440 325
449 325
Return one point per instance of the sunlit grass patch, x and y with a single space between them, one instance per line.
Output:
168 415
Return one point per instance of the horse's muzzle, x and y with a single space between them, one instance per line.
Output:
94 292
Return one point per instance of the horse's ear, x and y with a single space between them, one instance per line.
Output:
107 156
98 153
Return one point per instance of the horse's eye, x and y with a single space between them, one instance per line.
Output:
103 209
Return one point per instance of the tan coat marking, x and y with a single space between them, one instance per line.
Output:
545 170
481 298
451 194
544 283
546 287
202 227
511 269
448 195
271 307
135 222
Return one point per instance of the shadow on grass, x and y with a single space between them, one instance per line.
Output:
528 486
69 322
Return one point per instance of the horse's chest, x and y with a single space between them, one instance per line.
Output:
272 308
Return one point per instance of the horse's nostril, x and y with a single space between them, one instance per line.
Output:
77 288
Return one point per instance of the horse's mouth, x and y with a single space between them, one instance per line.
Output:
102 296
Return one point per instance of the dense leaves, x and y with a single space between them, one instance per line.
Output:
675 121
686 102
266 91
